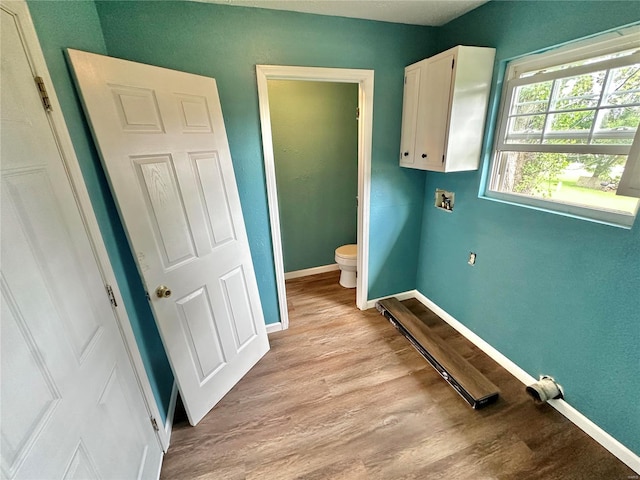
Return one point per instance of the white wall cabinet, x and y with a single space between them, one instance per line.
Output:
444 109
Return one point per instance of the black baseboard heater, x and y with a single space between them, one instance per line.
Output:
470 384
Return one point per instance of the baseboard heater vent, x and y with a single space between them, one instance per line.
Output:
470 384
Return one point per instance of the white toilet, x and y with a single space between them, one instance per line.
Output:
347 260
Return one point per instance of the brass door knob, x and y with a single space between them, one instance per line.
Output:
163 291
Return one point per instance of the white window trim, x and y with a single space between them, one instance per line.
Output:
615 41
603 44
511 88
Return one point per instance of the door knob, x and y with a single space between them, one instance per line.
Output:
406 154
424 155
163 291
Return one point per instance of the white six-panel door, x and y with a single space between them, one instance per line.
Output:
71 406
163 144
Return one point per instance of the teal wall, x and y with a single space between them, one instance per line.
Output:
226 43
63 25
315 145
556 295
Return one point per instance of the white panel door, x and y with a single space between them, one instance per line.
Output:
71 404
163 143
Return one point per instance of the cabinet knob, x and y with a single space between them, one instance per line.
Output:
424 155
406 154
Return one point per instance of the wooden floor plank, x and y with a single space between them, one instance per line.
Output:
468 379
342 395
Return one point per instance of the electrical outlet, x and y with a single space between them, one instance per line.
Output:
472 258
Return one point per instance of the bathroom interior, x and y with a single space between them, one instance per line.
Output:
315 142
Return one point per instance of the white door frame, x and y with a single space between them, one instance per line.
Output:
71 165
364 79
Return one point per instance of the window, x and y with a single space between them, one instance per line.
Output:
567 123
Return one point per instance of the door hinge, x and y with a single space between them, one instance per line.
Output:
112 297
453 62
442 158
154 424
44 96
405 79
358 113
148 296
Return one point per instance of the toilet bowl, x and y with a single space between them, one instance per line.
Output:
347 259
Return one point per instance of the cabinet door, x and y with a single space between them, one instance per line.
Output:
433 120
409 115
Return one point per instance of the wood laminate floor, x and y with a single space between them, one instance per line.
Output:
342 395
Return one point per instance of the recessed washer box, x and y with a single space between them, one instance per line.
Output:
444 199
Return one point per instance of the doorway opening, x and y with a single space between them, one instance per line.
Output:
314 128
364 80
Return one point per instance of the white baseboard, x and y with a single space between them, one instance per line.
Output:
623 453
503 361
311 271
274 327
400 296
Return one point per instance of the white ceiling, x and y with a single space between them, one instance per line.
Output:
412 12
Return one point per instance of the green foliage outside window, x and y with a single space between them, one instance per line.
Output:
590 108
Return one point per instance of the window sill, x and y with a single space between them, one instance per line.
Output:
618 220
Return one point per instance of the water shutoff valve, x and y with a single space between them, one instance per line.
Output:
545 389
